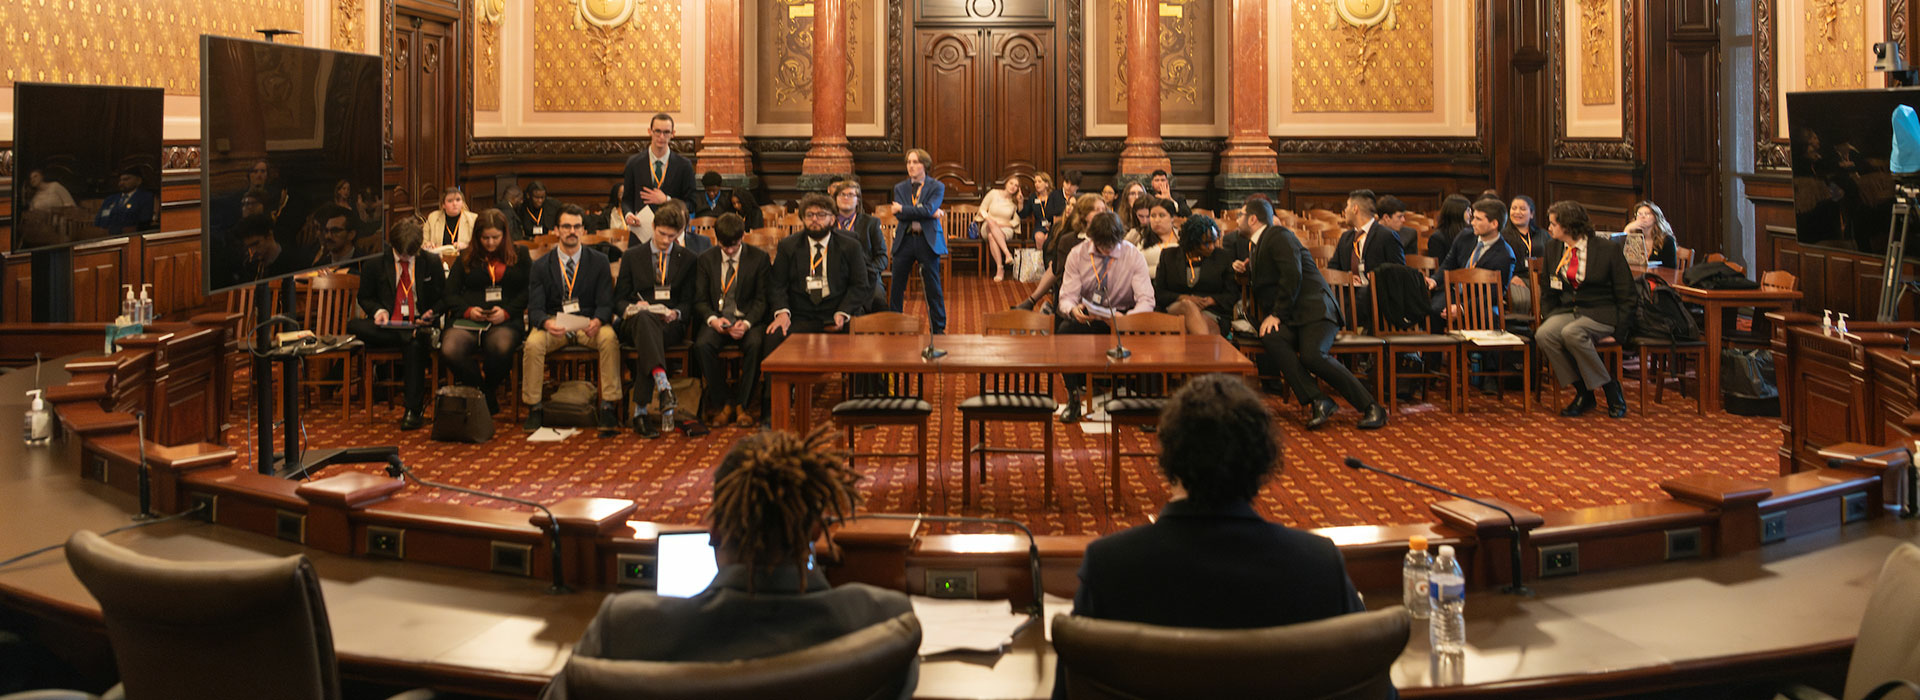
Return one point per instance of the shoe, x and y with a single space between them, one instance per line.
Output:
493 403
412 420
1582 401
745 418
1026 305
1616 400
1073 408
724 416
1320 412
1375 418
609 423
533 419
998 277
644 426
666 400
1047 308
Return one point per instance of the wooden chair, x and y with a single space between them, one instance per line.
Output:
240 338
1481 300
703 225
1682 258
766 239
1351 341
1009 397
1136 399
1428 266
1322 254
1417 337
1610 348
954 223
329 305
887 399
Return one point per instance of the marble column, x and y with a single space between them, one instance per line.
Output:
1143 153
723 150
828 155
1248 165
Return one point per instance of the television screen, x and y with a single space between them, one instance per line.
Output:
290 160
1841 143
89 160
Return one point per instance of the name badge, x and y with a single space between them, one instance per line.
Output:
493 294
1098 298
1556 282
570 306
539 230
106 210
816 284
663 294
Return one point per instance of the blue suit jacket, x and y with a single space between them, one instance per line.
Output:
930 197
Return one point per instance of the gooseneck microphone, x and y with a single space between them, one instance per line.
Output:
146 480
1513 527
1039 608
399 470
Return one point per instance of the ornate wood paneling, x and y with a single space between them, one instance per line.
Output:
949 82
172 263
1021 74
97 271
1683 88
1519 40
1841 280
428 111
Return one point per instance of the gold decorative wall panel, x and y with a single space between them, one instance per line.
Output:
1833 32
606 56
1383 64
1187 38
141 43
488 17
783 90
349 25
1597 48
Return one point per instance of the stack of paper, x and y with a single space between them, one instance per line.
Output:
552 434
1491 337
965 625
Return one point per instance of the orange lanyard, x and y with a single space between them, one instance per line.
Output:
819 262
726 281
1099 271
537 214
495 269
660 265
917 191
450 235
570 278
1193 273
659 174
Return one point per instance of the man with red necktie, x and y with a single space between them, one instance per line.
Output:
400 292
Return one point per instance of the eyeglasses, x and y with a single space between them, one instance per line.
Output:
571 227
821 215
663 132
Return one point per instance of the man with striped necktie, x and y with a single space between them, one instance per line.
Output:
657 175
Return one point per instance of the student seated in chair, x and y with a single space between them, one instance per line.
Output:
773 497
655 297
570 302
730 302
1106 277
1210 561
1586 294
401 294
819 277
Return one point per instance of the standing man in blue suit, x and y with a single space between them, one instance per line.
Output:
916 203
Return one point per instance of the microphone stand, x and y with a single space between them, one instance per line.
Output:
930 352
1912 495
146 481
1039 608
396 469
1119 350
1513 527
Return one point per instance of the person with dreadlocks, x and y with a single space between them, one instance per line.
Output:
773 495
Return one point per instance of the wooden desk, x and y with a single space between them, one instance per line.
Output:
1720 304
806 359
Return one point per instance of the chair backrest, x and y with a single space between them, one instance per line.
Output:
1422 326
1347 294
885 323
1478 296
957 217
766 239
1017 322
210 630
867 664
1682 258
1322 254
331 303
1150 323
1425 264
1778 281
240 301
702 225
1325 215
1348 657
1888 646
876 384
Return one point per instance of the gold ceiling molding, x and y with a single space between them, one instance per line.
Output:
1833 39
139 43
607 55
489 16
1596 52
1363 56
349 25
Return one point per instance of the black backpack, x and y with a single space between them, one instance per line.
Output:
1660 314
460 415
1717 275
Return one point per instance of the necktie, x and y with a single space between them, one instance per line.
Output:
819 251
572 274
1477 250
403 290
1573 267
659 172
1357 241
726 278
1100 278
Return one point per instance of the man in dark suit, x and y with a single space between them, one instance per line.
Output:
819 277
400 292
1367 244
1393 214
1485 249
658 175
265 257
1587 293
851 219
1301 319
713 199
1161 182
919 240
1210 561
731 287
131 209
536 215
570 302
655 296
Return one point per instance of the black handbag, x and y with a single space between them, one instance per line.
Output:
460 415
571 406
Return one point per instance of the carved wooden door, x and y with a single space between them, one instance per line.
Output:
984 104
424 62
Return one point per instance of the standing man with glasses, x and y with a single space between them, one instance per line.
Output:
916 204
570 302
657 176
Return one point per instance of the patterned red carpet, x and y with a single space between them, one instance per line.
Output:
1537 460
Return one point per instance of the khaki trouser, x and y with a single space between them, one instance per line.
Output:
533 361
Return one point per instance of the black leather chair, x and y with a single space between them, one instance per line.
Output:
1349 657
875 663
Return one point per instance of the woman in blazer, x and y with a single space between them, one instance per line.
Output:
487 300
450 227
1196 281
1586 292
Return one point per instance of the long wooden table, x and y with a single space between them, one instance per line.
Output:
1720 304
809 358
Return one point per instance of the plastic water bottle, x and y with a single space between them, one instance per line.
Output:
1413 577
1447 593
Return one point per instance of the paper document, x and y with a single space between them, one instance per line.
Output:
965 625
571 322
1490 337
552 434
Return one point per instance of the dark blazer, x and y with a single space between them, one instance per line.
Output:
1179 202
468 288
849 292
1287 284
753 284
637 272
932 193
1237 244
720 203
866 230
1498 258
1383 246
1536 240
726 623
1440 242
679 182
1409 241
1044 211
593 286
1213 568
1215 280
378 284
1606 295
689 239
524 219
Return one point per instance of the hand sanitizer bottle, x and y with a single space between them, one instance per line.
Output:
38 430
146 304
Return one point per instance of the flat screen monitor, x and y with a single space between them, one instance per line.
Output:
89 162
1842 141
291 160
